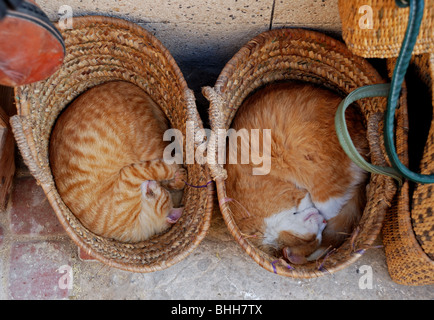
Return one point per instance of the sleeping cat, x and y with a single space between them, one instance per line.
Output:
106 153
310 176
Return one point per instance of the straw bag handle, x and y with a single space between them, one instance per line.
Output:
392 91
215 116
19 128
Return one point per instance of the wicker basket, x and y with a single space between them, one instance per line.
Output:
296 54
408 231
384 37
101 49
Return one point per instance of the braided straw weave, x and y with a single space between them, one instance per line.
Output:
297 54
101 49
408 232
422 215
384 37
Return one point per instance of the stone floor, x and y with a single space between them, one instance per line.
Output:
36 256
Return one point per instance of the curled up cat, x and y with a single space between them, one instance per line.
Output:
106 156
314 195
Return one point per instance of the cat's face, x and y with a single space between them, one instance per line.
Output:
297 230
157 206
305 224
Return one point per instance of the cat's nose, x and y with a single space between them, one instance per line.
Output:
174 214
313 212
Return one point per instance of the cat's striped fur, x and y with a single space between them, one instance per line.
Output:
306 159
106 153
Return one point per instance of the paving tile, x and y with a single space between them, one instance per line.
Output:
31 212
313 14
201 32
40 270
204 44
208 11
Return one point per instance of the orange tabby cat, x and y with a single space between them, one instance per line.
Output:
314 194
106 153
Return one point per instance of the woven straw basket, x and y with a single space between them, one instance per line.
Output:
408 232
297 54
382 38
101 49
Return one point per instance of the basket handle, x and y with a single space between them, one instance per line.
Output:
216 121
19 129
376 90
193 117
392 91
402 62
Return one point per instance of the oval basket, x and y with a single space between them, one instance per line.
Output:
302 55
101 49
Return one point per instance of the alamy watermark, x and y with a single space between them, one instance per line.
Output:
255 147
366 280
65 17
66 279
366 20
255 144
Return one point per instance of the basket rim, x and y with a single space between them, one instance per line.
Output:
258 40
203 210
220 86
83 21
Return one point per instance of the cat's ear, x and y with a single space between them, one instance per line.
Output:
292 257
174 214
305 203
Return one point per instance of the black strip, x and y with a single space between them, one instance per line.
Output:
272 15
3 9
13 4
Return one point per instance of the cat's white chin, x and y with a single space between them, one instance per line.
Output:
299 223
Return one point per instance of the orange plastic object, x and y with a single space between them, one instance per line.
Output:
31 48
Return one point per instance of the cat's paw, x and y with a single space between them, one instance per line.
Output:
179 180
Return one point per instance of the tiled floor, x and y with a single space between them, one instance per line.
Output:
39 261
34 244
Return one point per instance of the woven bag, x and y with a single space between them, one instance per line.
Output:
297 54
376 28
408 231
101 49
409 227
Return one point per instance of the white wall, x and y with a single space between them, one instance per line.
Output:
208 32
